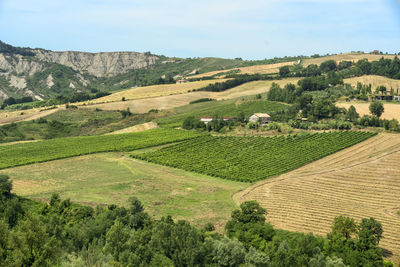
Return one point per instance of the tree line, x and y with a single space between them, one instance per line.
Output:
62 233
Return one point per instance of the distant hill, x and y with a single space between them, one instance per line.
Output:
43 73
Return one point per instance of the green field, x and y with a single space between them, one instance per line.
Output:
27 153
227 108
249 159
111 178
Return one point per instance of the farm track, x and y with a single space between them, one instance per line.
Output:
362 181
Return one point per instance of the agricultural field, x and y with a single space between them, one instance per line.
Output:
111 178
375 81
154 91
345 57
360 182
260 69
28 153
250 159
7 117
223 108
392 110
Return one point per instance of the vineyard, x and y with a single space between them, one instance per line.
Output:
249 159
28 153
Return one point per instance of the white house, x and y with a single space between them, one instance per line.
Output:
206 119
263 118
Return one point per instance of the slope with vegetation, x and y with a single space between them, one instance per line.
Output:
67 234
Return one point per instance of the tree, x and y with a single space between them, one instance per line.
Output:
5 186
369 233
116 239
352 114
376 108
344 226
31 244
228 252
250 211
284 71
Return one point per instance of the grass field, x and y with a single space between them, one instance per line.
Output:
375 81
345 57
250 159
360 182
28 153
392 111
154 91
112 178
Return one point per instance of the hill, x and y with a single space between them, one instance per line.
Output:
42 74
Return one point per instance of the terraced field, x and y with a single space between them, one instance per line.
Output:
361 182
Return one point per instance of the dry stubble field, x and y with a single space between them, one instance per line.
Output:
392 111
361 182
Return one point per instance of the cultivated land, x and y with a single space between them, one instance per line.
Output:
112 178
360 182
345 57
261 69
58 148
392 111
375 81
154 91
249 159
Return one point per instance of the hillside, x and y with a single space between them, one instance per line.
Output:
42 74
348 183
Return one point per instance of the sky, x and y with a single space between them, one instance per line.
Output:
251 29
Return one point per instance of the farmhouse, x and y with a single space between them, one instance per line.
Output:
263 118
396 98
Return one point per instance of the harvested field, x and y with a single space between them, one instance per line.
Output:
360 182
375 81
261 69
137 128
154 91
173 101
392 111
7 117
345 57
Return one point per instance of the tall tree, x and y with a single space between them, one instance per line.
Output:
376 108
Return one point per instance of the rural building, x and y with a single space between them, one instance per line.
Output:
382 97
208 119
396 98
263 118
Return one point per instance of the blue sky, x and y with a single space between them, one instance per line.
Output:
252 29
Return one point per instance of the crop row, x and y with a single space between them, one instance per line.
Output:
250 159
27 153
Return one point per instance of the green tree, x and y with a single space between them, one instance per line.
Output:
228 252
344 226
250 211
369 233
5 186
31 244
376 108
116 239
284 71
352 114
